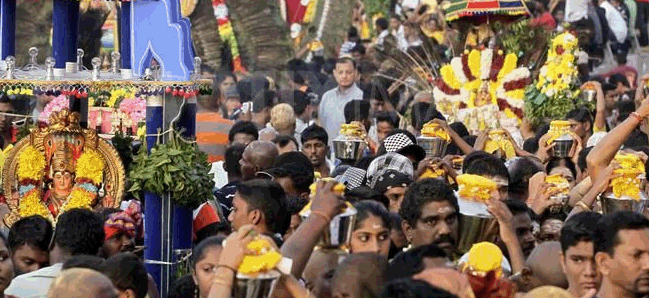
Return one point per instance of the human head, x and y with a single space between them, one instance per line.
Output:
550 223
425 96
360 275
542 267
232 100
358 52
29 240
243 132
382 24
224 81
257 156
430 215
372 229
205 259
300 102
286 144
120 230
6 106
128 275
319 271
261 203
315 144
415 260
521 169
345 72
386 122
232 156
282 119
78 232
413 288
622 252
378 97
96 285
422 113
577 238
581 122
523 226
393 184
358 110
294 172
403 142
6 266
563 167
491 167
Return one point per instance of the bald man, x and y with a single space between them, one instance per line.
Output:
82 283
360 275
258 156
267 134
543 267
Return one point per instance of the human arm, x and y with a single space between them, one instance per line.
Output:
601 184
234 249
517 149
600 116
455 138
507 234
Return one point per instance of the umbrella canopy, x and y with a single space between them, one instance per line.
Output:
483 8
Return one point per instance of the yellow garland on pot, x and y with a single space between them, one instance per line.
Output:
31 164
90 165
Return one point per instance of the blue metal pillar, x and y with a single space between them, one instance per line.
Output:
7 28
65 26
125 35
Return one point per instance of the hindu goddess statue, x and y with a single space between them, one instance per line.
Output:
60 167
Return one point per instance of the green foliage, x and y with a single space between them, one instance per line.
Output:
177 167
373 7
540 109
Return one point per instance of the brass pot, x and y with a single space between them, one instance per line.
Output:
612 204
348 148
255 287
562 146
434 146
476 225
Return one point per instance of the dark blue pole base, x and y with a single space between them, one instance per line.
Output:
65 26
7 28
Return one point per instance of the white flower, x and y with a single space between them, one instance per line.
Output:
456 63
485 63
550 92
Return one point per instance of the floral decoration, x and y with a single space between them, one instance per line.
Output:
90 166
263 258
31 164
79 198
57 104
31 205
227 33
134 108
118 95
20 91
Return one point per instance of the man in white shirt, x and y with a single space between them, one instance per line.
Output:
615 21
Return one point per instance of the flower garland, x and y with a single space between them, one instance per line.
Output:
31 205
118 95
90 165
31 164
227 33
57 104
20 91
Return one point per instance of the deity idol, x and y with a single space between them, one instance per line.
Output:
60 167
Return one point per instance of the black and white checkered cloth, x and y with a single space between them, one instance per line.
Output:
352 177
389 161
397 142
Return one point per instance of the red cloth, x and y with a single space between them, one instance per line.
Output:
491 286
128 221
204 216
295 11
545 20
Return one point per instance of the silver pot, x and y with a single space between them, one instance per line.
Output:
612 204
340 230
590 95
255 287
347 148
476 225
434 146
562 146
560 201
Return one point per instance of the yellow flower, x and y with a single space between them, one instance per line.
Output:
474 63
141 131
309 14
79 198
474 187
485 257
91 101
31 164
90 166
32 205
508 65
265 258
449 77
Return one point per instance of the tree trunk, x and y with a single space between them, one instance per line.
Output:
336 24
263 36
33 29
205 34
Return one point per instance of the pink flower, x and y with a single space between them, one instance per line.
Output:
57 104
135 108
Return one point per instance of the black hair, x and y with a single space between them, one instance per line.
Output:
198 253
364 162
352 33
365 209
382 24
296 68
636 138
231 161
617 78
357 110
219 77
411 262
270 199
531 145
296 204
580 227
471 157
561 162
358 48
283 140
245 127
422 113
422 192
263 100
34 231
517 207
299 101
609 227
315 132
376 91
182 287
364 193
581 160
487 165
520 171
79 232
84 261
127 272
470 139
408 287
346 60
251 87
390 117
620 58
301 174
459 128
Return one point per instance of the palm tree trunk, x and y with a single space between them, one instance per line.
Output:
205 34
263 36
336 24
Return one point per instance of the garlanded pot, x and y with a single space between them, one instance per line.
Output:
610 203
260 286
626 189
258 272
340 229
350 143
476 223
562 146
560 184
434 140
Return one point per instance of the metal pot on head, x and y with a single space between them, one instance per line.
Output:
260 286
346 148
560 201
589 95
611 204
434 146
340 229
476 225
562 146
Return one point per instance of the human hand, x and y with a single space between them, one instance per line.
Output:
543 198
326 200
577 146
442 124
544 148
643 110
235 247
603 180
481 141
499 210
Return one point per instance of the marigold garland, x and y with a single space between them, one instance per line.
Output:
508 65
31 205
474 63
449 77
90 165
79 198
31 164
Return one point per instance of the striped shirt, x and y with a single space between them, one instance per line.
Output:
212 134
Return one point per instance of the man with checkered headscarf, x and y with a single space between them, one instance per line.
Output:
403 142
393 184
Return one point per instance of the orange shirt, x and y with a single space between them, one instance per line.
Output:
212 134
